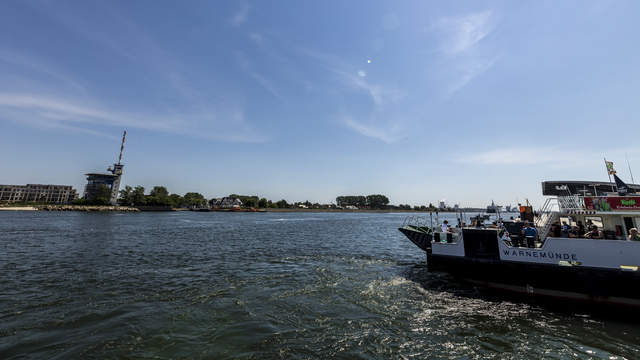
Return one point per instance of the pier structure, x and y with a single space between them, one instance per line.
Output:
112 181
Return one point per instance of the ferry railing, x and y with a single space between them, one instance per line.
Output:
571 203
547 215
415 221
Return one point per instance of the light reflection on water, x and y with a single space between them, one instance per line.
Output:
260 285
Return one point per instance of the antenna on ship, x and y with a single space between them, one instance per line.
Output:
124 136
630 173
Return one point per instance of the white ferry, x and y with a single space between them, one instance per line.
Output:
582 248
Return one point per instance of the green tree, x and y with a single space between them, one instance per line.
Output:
249 202
262 203
377 201
176 200
159 192
194 199
159 196
282 204
137 196
102 195
126 196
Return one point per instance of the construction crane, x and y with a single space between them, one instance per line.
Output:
112 181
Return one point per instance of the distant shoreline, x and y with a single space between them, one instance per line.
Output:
84 208
130 209
355 211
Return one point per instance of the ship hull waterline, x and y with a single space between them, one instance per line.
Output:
572 283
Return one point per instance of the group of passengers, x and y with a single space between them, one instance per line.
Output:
579 230
565 230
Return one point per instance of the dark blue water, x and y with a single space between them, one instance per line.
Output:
190 285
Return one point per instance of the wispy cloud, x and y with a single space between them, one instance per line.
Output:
32 64
382 121
357 79
241 15
380 95
247 67
461 33
369 131
193 112
472 69
460 37
549 155
125 38
51 112
256 37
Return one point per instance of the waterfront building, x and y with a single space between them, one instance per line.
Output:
112 181
96 180
38 193
226 203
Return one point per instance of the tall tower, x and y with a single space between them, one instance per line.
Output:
97 181
117 171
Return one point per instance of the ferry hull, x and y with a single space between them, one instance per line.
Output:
575 283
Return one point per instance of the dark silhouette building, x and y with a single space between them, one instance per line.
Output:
112 180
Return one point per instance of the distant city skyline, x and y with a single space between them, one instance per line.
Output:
420 101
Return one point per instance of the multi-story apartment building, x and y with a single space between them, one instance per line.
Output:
38 193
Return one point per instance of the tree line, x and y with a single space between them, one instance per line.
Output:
375 201
159 196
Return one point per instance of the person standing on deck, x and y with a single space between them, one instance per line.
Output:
580 229
530 233
565 229
445 226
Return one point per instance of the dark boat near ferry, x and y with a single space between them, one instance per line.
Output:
420 235
599 267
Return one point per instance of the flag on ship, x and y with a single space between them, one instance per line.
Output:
610 167
623 189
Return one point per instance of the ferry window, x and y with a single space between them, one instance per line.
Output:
596 220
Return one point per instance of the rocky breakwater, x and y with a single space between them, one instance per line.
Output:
87 208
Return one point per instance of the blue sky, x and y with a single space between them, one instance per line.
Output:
308 100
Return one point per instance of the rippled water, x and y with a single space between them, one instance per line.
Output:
260 286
